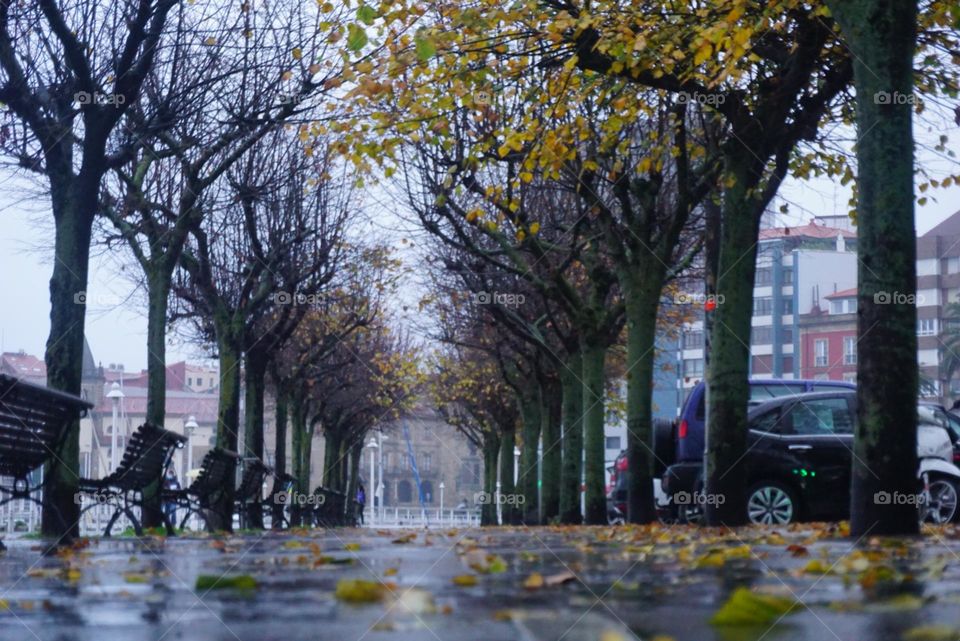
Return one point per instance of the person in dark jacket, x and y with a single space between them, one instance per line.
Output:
361 501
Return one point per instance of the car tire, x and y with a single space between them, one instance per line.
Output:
772 503
944 501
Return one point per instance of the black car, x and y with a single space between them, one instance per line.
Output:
798 460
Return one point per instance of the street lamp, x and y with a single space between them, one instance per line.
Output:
441 502
373 452
115 394
516 464
188 429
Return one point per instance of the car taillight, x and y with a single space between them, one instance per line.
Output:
682 430
956 456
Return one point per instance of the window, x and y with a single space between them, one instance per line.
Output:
821 353
927 327
764 276
762 306
189 382
836 307
768 422
427 462
692 367
786 306
760 393
404 492
787 334
953 265
849 350
613 442
788 275
427 488
823 416
761 335
850 377
211 382
693 340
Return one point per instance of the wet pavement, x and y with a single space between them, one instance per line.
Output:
597 584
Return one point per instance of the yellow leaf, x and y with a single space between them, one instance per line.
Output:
297 53
465 580
533 582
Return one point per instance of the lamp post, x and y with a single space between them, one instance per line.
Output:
441 502
115 394
380 487
188 429
373 452
516 464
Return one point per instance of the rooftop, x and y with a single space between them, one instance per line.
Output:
810 230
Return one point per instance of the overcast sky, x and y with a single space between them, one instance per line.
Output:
116 319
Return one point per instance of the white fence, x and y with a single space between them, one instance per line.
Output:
399 517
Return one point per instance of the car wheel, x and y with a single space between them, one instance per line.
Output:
771 503
942 507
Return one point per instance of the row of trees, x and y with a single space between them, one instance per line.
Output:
581 153
193 133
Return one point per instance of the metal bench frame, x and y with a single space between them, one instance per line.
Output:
217 473
250 490
147 455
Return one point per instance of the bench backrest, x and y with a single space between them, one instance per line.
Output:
216 471
251 483
147 453
33 420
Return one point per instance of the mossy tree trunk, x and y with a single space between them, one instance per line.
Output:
728 390
488 509
532 417
74 204
255 375
572 470
279 455
881 35
642 297
551 465
595 500
229 344
509 509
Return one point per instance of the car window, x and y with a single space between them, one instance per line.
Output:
927 415
760 393
768 422
821 416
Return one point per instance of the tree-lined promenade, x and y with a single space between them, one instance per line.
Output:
567 167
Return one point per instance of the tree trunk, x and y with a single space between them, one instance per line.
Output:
594 355
73 209
158 295
881 35
642 302
551 465
255 376
728 391
530 411
356 456
571 471
298 426
331 452
279 456
509 509
228 415
488 509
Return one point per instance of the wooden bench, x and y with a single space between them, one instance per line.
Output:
217 474
34 421
249 494
331 509
146 456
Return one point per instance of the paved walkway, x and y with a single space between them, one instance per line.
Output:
574 584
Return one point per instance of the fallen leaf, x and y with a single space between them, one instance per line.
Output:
239 582
932 633
534 581
745 607
360 591
351 547
465 580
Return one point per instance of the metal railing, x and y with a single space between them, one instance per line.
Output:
420 517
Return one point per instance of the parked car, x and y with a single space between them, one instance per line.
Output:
689 435
935 414
798 463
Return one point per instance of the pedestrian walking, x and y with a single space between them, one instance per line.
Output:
361 500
